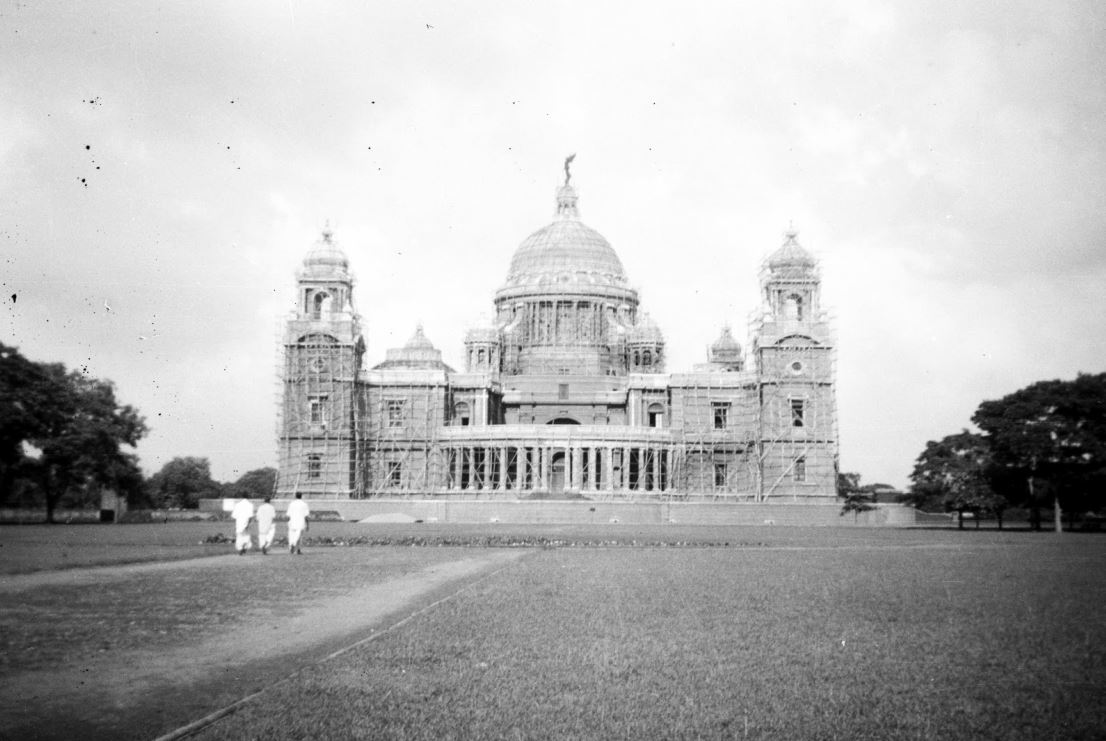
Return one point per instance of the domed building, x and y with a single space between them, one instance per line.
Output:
565 393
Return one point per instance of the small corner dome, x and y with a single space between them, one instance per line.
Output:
726 343
418 341
417 354
791 256
646 330
484 332
326 254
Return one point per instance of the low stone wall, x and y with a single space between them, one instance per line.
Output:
552 512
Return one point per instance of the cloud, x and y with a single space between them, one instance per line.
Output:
946 162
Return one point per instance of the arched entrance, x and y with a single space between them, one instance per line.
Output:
557 473
563 421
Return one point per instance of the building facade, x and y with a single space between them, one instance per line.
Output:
565 394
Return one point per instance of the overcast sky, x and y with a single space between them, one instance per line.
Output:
165 167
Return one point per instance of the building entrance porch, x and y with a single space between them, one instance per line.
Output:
513 462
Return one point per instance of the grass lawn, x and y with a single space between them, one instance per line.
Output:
28 548
796 634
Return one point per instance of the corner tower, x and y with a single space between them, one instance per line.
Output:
322 351
793 348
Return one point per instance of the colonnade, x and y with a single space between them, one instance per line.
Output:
553 468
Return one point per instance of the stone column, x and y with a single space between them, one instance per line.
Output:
546 467
669 456
486 479
502 483
608 468
642 479
535 468
657 453
458 461
624 477
593 477
522 463
577 468
462 459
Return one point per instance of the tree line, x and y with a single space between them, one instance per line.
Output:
1041 448
65 438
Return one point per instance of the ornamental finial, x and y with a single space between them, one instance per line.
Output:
568 161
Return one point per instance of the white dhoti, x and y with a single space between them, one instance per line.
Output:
265 538
297 513
242 540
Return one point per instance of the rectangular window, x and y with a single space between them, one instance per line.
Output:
562 390
721 414
317 406
797 413
719 475
799 472
395 413
395 474
314 466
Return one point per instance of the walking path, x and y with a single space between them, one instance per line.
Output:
145 693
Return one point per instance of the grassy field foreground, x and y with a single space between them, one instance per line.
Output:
954 638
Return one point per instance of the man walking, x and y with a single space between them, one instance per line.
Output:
298 513
242 514
266 525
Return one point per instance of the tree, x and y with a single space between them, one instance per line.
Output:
256 484
183 482
951 473
62 432
1054 434
27 409
856 498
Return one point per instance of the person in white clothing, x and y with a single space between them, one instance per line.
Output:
266 526
242 514
298 513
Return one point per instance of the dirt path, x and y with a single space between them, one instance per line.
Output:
101 574
144 693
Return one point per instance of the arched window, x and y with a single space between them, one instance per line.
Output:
322 303
793 307
480 356
637 359
646 358
656 415
461 414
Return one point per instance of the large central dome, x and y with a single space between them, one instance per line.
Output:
566 251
